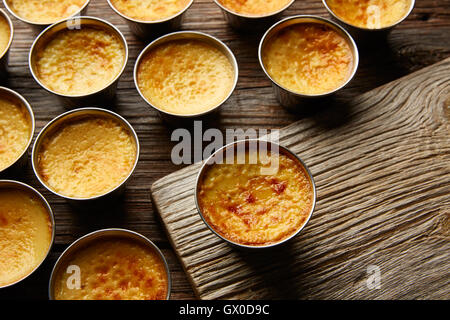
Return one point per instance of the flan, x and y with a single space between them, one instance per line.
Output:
308 58
114 269
150 10
81 61
370 14
47 11
5 35
25 234
185 77
15 131
251 204
255 7
86 157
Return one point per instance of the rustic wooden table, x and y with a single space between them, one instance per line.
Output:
421 40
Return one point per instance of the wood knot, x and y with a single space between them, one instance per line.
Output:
447 108
444 225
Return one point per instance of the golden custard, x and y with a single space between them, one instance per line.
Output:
250 208
115 269
15 131
372 14
308 58
185 77
25 234
149 10
86 157
5 34
80 62
45 11
255 7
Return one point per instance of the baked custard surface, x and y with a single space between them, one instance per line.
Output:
115 269
80 62
86 157
372 14
25 234
250 208
45 11
15 131
255 7
185 77
149 10
308 58
5 35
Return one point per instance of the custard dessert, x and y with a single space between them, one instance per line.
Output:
114 269
251 207
86 157
370 14
45 11
255 7
25 234
15 131
185 77
80 61
308 58
149 10
5 34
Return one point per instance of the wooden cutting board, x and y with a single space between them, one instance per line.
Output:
382 172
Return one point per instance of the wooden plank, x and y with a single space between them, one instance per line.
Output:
419 41
383 176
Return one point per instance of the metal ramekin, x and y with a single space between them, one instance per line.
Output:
242 21
102 235
4 56
22 161
24 187
251 144
358 32
191 35
37 26
104 96
289 98
150 29
67 118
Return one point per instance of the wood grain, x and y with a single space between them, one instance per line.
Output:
383 182
419 41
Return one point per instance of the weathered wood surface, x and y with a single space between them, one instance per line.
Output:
418 42
383 185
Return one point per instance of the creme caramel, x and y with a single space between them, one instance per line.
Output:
45 12
25 234
256 204
114 269
86 157
81 61
255 7
149 10
308 58
371 14
15 131
185 77
5 34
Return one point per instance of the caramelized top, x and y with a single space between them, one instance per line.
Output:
255 7
114 269
256 203
371 14
308 58
149 10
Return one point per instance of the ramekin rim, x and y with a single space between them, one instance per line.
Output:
252 247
